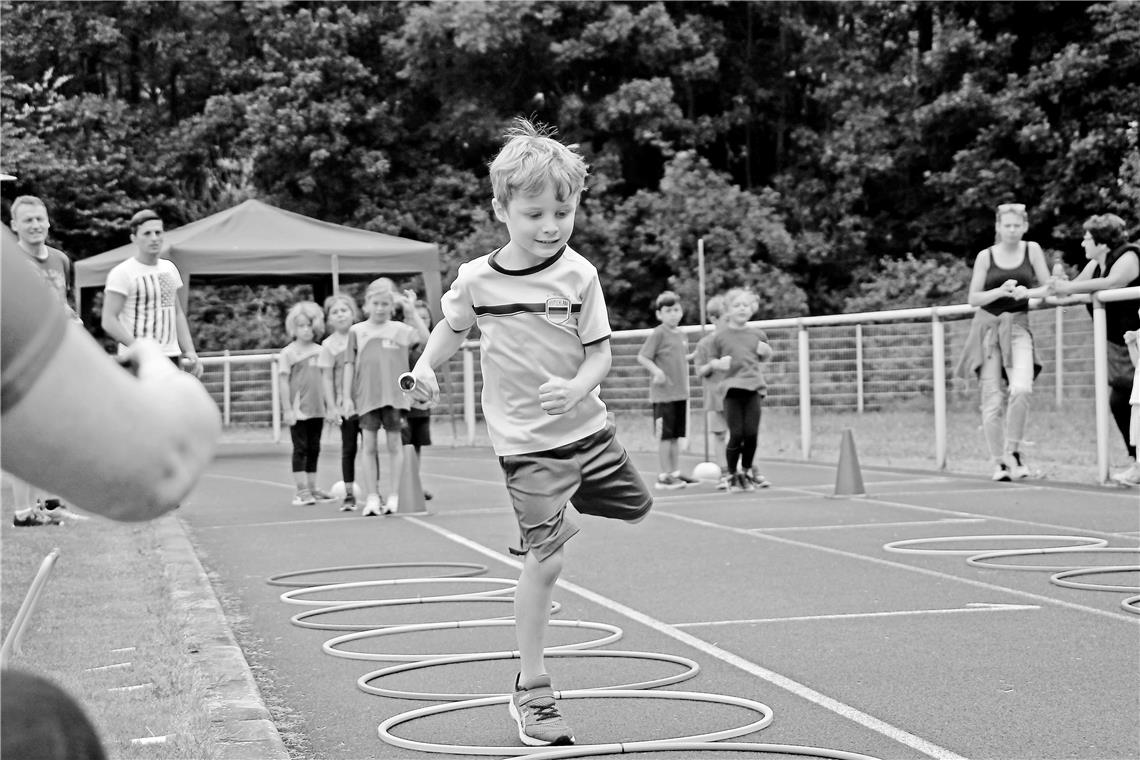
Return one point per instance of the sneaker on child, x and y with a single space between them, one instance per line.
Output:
371 505
391 505
1001 473
303 497
320 495
1018 470
757 480
1129 477
668 482
677 475
348 504
536 714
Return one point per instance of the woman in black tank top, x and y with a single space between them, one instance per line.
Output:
1113 263
1000 349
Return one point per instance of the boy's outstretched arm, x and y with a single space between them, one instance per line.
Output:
441 344
558 395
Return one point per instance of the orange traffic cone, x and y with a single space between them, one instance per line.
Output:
848 478
411 490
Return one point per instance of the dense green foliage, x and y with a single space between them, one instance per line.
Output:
832 155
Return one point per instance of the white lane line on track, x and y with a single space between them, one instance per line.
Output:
1123 617
970 607
841 526
795 687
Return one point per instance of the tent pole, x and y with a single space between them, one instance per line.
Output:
335 274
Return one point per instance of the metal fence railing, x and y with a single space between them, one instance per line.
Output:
857 362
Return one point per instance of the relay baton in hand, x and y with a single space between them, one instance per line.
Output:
414 388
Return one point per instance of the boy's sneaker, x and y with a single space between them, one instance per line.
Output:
667 482
736 483
756 479
684 478
1129 477
303 497
30 516
371 505
1001 473
1018 471
391 505
723 483
320 495
348 504
537 717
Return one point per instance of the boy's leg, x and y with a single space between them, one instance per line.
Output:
396 464
532 612
300 443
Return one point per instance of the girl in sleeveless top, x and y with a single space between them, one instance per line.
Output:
1000 349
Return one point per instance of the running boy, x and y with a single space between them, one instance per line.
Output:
710 386
544 348
302 399
376 355
742 351
665 355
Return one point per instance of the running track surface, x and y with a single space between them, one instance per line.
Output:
785 596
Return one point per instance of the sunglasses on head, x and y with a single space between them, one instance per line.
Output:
1019 207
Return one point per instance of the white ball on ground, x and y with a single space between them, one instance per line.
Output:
337 491
707 471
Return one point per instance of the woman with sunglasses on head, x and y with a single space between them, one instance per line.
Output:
999 350
1113 262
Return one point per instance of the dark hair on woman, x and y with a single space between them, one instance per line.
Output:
1106 229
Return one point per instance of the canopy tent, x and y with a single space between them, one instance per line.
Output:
256 239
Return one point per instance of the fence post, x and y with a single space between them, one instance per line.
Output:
226 389
275 394
859 368
469 394
1100 390
938 350
805 393
1058 355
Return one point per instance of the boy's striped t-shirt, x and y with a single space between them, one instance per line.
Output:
534 325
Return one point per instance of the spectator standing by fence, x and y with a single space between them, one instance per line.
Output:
31 224
665 355
1113 262
140 299
1000 349
416 431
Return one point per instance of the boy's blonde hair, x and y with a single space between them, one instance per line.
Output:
309 310
530 159
347 300
380 285
736 293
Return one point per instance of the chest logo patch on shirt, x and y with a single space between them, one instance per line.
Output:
558 310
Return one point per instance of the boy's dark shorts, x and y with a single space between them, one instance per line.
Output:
388 417
417 428
674 416
594 473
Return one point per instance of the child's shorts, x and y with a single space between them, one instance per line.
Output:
717 424
674 416
595 473
417 428
388 417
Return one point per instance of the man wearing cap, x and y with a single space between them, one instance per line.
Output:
140 299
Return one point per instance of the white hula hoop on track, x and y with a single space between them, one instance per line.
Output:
595 750
983 559
384 729
466 570
291 597
330 647
905 546
365 681
301 619
1062 578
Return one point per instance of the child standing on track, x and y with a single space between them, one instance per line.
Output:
544 349
341 313
302 400
375 356
665 355
417 427
742 351
711 388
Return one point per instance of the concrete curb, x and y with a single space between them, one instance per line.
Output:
236 709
